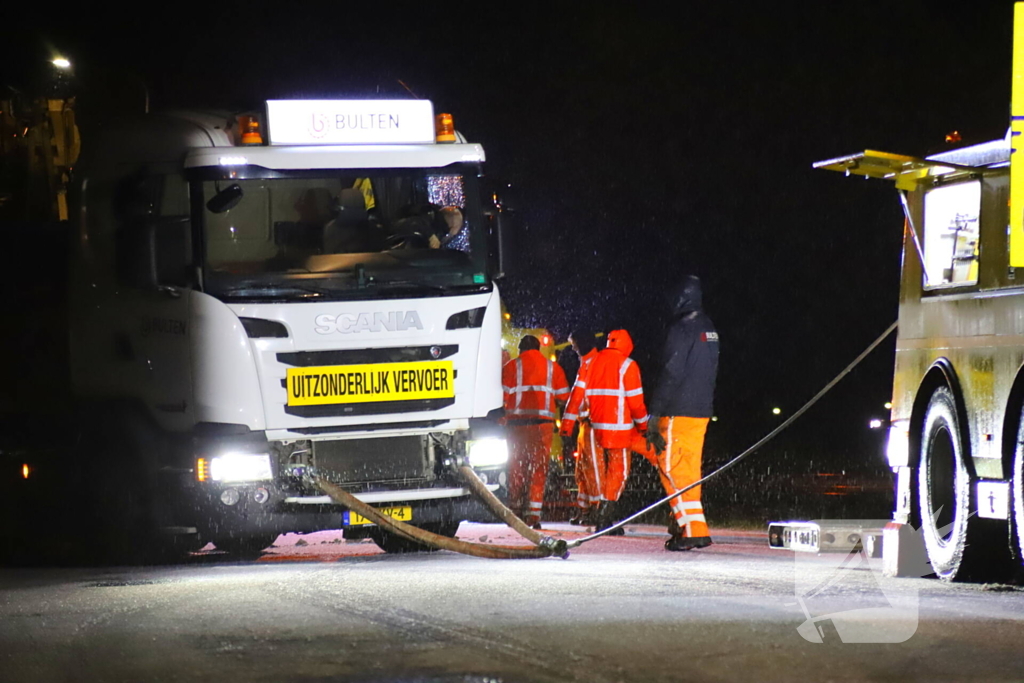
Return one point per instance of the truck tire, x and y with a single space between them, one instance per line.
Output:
391 543
1017 496
245 547
943 486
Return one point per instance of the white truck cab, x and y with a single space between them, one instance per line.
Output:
249 313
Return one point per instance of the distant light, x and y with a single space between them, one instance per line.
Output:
508 316
714 418
554 357
25 471
545 340
875 424
776 411
61 63
953 137
888 405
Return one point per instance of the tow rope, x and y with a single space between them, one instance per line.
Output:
547 546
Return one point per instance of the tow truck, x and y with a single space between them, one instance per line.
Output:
956 435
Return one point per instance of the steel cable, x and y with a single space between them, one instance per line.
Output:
575 543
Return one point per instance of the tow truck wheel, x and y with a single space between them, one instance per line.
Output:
1017 494
245 547
943 486
392 543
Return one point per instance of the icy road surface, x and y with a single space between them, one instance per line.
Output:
315 608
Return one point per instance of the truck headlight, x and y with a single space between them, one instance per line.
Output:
236 467
487 452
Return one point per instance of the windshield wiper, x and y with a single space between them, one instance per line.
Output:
407 284
302 292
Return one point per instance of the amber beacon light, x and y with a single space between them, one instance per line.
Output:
445 128
249 128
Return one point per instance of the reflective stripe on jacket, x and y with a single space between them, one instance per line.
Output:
615 394
532 384
577 406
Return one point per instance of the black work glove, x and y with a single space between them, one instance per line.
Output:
653 437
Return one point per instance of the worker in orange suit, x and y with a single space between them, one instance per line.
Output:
615 396
680 410
588 492
533 385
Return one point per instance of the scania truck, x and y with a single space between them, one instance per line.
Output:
258 300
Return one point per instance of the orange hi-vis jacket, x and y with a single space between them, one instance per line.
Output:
577 407
531 384
615 394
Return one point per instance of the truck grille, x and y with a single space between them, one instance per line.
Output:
390 459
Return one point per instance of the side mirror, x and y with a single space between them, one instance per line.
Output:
155 252
226 199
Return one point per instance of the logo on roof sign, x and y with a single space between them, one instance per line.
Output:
350 122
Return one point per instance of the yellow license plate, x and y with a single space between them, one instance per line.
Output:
369 383
401 513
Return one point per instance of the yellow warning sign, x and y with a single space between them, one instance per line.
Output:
327 385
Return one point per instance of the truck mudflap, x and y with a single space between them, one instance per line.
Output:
828 536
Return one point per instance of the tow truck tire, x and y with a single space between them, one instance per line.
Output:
245 547
1017 494
391 543
943 486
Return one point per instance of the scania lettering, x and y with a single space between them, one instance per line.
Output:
247 317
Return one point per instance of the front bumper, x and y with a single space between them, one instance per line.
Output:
280 513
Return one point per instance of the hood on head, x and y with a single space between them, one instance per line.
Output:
685 297
620 341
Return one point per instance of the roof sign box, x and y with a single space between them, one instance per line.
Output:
350 122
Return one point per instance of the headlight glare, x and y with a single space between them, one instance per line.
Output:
235 467
487 452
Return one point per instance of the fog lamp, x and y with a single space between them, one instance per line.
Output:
234 467
487 452
230 496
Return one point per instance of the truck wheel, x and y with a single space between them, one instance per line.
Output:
943 486
392 543
1017 494
245 547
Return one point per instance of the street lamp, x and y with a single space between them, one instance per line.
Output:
61 63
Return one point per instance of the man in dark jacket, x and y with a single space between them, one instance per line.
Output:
680 409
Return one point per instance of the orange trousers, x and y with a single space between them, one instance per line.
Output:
612 471
529 455
588 486
679 466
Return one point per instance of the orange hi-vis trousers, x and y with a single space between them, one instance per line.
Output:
679 466
588 486
529 454
612 471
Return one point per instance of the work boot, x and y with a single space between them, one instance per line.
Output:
681 543
580 519
606 517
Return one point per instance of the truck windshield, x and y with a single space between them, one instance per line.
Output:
342 233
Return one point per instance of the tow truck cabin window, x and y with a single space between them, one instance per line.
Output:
419 223
951 234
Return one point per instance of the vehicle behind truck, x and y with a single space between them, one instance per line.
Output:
250 311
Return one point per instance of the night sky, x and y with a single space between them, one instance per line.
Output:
642 143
